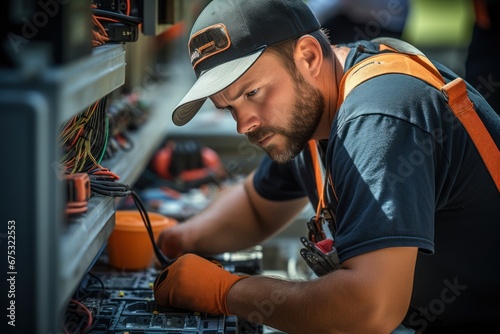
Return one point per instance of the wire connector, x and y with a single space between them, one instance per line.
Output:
121 33
77 193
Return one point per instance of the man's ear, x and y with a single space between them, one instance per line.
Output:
308 55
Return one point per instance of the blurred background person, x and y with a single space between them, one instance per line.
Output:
482 67
353 20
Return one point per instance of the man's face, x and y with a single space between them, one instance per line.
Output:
276 110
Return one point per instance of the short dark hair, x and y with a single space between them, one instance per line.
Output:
284 51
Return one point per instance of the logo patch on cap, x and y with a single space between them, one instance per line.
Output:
208 42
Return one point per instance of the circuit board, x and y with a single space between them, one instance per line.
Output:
122 302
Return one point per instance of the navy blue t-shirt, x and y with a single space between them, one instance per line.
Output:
406 173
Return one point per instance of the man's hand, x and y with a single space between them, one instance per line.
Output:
195 284
170 241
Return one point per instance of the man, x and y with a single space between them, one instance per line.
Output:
414 210
481 69
355 20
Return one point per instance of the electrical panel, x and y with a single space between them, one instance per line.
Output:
52 68
122 302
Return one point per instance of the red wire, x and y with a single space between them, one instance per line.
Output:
89 315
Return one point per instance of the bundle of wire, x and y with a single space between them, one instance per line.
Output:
80 318
84 139
99 16
99 34
105 183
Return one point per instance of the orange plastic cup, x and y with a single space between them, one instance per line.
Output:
129 246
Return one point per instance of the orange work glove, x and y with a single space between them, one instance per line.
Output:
196 284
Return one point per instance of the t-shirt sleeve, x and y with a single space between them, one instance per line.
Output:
384 177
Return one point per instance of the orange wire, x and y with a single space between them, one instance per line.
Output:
128 7
100 36
106 19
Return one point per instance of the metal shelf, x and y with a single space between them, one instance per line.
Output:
74 86
77 252
85 236
82 83
90 78
81 243
51 256
34 103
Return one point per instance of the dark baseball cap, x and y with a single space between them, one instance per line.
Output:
229 36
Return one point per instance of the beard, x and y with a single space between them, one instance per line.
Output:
307 110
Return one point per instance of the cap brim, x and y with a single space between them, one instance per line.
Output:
210 83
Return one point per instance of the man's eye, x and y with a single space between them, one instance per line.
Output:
252 93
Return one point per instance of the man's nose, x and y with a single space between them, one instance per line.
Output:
246 121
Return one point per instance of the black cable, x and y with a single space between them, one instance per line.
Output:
165 261
98 123
116 16
97 309
99 281
107 186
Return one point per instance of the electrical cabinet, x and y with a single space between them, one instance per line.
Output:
48 74
51 254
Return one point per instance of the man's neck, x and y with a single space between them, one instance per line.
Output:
332 82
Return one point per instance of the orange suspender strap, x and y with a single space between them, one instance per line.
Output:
463 109
386 63
419 66
320 185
